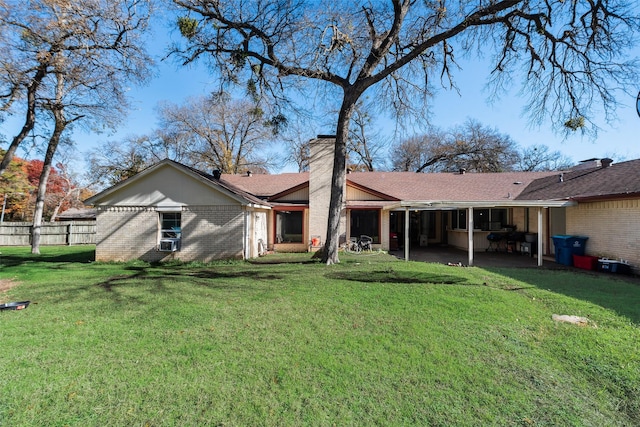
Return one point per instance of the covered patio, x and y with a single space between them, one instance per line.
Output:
451 255
474 256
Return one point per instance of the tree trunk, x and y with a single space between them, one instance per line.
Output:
30 118
57 109
338 178
44 178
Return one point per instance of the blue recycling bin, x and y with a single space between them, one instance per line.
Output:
566 246
564 256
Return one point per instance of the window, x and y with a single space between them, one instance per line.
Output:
289 227
365 222
483 219
170 231
170 225
459 219
489 219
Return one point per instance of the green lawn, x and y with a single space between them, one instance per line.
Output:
371 341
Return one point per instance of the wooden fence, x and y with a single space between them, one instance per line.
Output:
52 233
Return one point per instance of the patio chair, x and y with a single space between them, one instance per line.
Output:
366 243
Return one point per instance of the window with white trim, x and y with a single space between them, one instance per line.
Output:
170 231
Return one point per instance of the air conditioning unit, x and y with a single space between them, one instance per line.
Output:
169 245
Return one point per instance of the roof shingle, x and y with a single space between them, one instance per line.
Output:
619 179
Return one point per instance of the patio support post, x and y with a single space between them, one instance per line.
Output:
470 230
406 234
540 237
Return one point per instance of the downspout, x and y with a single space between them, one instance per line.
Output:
470 233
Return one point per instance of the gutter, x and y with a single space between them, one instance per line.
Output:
451 205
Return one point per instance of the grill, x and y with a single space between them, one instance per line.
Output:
510 238
496 237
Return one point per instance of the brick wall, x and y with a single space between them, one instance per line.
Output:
613 228
320 173
208 233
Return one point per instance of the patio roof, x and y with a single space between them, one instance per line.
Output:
454 204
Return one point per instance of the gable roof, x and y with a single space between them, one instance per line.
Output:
618 180
263 185
77 214
500 187
231 191
447 186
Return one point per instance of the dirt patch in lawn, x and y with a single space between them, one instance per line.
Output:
6 284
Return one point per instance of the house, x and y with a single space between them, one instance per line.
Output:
76 214
606 208
170 211
207 216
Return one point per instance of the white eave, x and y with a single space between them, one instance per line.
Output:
450 205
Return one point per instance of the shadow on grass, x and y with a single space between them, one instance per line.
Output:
135 283
48 255
203 277
620 294
392 276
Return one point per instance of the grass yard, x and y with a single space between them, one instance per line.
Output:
371 341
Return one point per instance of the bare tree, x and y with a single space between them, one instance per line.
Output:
296 137
539 157
569 53
96 41
76 57
364 145
72 189
222 133
471 146
479 148
115 161
420 153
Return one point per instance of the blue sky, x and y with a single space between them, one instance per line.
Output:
174 83
619 140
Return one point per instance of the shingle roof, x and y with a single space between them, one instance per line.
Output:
447 186
263 185
619 179
78 214
228 186
404 185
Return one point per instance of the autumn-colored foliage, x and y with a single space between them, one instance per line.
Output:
18 186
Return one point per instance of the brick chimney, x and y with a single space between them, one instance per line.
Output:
320 171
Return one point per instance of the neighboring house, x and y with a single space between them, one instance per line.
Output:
75 214
399 210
